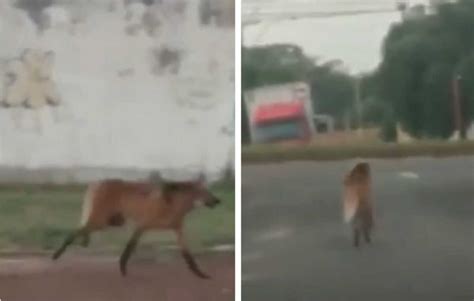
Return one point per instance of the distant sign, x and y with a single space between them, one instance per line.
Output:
278 95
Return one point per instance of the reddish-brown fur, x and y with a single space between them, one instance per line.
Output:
140 203
358 185
114 202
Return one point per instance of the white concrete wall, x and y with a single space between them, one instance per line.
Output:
114 121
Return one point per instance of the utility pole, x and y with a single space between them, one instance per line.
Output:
457 110
357 103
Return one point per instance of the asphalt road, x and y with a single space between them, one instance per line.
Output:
86 278
295 246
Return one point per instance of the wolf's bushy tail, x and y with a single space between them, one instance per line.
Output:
87 205
350 203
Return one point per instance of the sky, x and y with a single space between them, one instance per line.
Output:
356 40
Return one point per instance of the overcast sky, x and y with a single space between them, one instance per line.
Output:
356 40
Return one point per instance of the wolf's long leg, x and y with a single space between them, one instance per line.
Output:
188 256
69 240
366 232
129 249
356 237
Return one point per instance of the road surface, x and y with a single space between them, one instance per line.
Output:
295 247
75 278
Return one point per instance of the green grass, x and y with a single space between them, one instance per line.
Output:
277 153
37 218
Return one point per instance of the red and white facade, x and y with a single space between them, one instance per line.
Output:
280 113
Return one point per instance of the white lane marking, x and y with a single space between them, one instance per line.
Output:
223 248
274 234
409 175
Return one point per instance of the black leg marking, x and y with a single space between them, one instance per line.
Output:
69 240
193 265
356 237
367 235
129 249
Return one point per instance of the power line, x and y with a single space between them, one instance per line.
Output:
330 4
277 10
318 13
280 16
291 2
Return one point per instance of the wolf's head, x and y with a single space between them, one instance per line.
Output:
195 191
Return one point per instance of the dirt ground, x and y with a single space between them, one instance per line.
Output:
80 278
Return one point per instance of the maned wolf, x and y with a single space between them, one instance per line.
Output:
113 202
357 201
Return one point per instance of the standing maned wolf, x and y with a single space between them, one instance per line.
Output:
357 201
113 202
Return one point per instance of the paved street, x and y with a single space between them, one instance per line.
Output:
295 246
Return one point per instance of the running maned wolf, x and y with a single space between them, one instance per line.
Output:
114 202
357 203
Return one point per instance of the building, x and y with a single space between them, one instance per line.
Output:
113 111
280 113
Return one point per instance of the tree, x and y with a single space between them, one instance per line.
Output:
466 72
420 60
332 91
274 64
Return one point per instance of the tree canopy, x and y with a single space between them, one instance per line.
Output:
413 84
421 58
